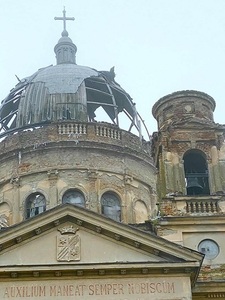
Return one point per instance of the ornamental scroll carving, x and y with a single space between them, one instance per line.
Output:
68 244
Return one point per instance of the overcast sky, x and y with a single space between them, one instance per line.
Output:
157 46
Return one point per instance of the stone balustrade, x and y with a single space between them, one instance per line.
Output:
100 130
72 128
202 206
108 132
195 205
82 133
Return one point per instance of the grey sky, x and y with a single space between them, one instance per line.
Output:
157 46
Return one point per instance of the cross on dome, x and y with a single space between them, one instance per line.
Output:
64 19
65 49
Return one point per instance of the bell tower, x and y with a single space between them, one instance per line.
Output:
189 152
188 148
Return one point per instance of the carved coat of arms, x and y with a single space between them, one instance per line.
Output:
68 244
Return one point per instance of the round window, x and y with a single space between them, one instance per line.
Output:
210 248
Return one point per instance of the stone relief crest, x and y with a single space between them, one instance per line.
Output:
68 244
4 221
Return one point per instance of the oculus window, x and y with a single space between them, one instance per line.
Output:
210 248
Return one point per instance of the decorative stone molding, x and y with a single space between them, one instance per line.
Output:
220 140
217 295
36 274
38 231
128 179
98 229
15 181
56 223
53 174
68 229
92 174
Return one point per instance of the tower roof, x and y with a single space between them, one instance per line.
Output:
181 106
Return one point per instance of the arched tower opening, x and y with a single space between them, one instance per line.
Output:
196 173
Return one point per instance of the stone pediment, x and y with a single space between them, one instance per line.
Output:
73 238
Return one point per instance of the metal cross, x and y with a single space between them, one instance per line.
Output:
64 19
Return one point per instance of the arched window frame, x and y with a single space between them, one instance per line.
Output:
201 178
110 197
135 212
68 193
35 204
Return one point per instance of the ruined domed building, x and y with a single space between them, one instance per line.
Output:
89 209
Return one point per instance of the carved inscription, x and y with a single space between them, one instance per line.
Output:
119 289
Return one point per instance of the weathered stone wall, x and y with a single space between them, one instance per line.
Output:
185 121
50 161
183 104
172 172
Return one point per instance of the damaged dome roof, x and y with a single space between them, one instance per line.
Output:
67 91
64 92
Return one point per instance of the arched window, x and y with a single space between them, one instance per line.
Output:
74 197
196 173
35 204
140 211
111 207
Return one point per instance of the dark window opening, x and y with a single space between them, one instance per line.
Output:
35 205
74 197
111 207
196 173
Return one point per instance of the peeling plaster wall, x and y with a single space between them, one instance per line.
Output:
185 122
50 163
171 167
